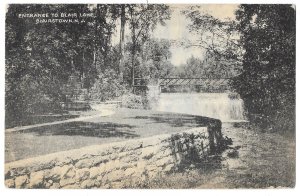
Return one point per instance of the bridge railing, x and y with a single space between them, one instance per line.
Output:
192 81
201 83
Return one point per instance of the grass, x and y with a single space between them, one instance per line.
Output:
38 119
122 125
265 160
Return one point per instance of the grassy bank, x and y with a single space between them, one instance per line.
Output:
122 125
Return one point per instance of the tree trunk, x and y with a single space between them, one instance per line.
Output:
122 35
133 38
132 67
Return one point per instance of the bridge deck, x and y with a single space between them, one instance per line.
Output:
218 82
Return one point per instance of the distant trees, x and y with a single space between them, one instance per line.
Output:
154 59
193 68
207 68
267 84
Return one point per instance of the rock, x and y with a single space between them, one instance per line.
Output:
98 181
100 160
66 181
163 153
141 166
87 184
133 146
48 184
106 186
20 171
116 164
82 174
115 175
10 183
151 167
129 172
117 185
164 161
102 168
124 166
148 153
109 166
65 169
124 154
151 174
131 158
7 173
72 186
57 172
94 172
63 161
70 174
113 156
169 167
104 180
85 163
36 179
147 143
55 186
21 181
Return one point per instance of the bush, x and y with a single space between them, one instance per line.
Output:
107 86
135 101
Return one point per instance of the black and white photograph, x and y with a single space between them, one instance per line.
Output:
150 96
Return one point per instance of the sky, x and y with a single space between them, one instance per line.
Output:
177 29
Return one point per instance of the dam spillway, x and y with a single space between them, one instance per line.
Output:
221 106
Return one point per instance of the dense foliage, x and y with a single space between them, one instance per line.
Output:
219 39
258 52
267 84
41 58
210 67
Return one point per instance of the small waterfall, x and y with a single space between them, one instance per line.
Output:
215 105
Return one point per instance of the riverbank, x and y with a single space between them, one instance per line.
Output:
255 160
122 124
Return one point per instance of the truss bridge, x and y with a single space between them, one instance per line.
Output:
202 84
193 81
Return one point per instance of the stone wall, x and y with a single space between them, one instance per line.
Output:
114 165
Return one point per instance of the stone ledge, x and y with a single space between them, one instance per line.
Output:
108 164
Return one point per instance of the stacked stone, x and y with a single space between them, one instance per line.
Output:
115 165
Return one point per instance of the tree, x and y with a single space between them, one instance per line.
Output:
154 59
219 39
267 83
142 19
40 58
198 68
